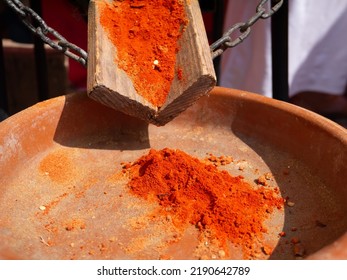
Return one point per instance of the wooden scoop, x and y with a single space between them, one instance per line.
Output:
111 84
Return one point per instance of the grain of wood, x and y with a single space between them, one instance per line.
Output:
111 86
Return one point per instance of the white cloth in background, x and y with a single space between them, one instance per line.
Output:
248 65
317 48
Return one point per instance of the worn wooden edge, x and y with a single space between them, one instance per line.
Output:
194 84
92 53
103 72
117 101
106 82
197 90
195 55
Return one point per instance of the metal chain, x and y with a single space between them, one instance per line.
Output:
38 26
29 17
226 41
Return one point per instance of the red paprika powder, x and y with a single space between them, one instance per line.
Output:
196 193
146 35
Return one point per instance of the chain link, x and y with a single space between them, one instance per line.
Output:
38 26
226 41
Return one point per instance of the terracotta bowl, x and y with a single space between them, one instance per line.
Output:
61 196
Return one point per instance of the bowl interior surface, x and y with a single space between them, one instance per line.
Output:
61 195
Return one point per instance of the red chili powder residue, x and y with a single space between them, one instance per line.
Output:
48 207
74 224
180 74
146 35
58 166
218 161
196 193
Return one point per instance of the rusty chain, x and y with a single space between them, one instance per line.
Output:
244 28
42 30
39 27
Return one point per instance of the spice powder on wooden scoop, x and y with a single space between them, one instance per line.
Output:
148 59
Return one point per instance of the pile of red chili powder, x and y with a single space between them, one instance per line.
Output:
146 35
198 193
